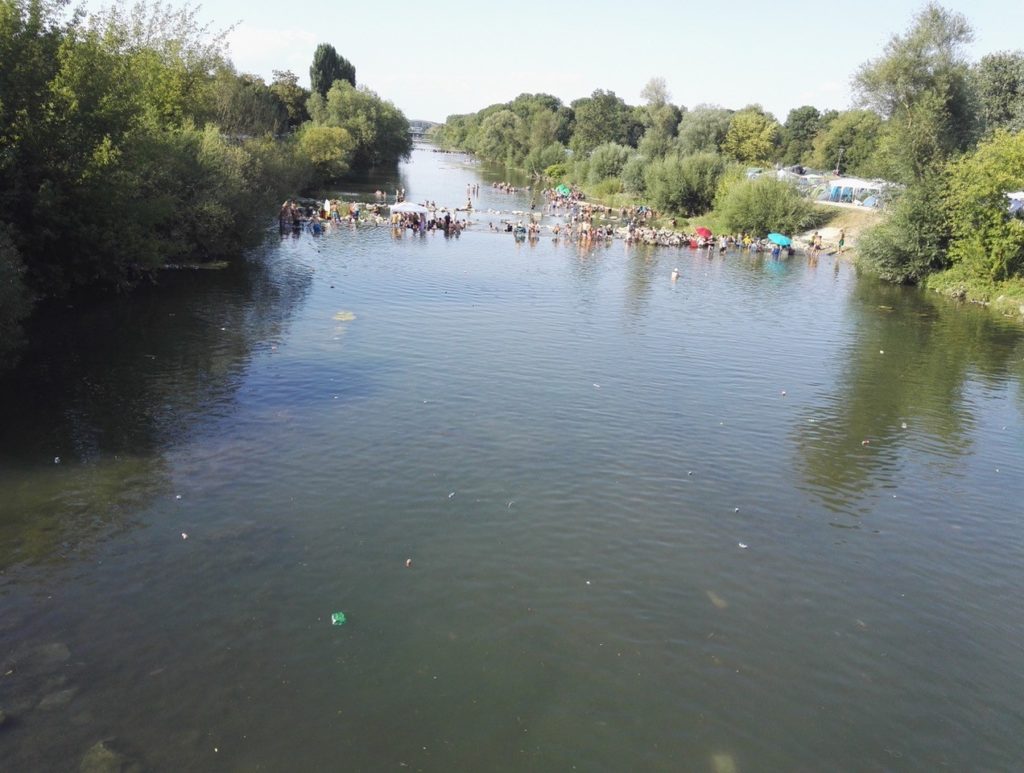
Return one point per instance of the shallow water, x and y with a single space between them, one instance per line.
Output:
646 532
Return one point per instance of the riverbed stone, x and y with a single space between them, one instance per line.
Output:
38 659
59 699
102 757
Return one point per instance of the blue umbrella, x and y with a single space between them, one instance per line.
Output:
779 239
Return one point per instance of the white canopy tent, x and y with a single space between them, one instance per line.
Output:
408 207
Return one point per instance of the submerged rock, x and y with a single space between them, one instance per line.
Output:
57 700
102 757
40 659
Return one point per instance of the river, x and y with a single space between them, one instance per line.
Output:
764 517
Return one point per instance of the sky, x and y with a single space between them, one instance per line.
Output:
434 59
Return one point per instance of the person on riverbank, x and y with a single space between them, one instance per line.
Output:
842 240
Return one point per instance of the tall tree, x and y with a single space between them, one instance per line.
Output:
286 86
753 135
849 143
802 124
601 117
999 83
329 66
703 129
920 83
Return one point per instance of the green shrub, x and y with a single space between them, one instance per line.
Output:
912 241
685 184
607 188
764 205
557 172
633 175
606 161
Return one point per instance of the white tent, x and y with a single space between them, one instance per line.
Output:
408 206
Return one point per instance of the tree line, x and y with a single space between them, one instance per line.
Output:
128 141
946 129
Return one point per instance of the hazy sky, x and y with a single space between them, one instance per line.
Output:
433 59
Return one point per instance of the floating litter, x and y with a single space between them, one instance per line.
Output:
338 618
344 316
56 460
408 563
177 496
903 425
881 351
717 600
735 509
451 494
184 535
743 545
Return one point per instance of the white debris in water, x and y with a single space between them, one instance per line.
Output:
743 545
184 535
723 763
451 494
903 425
56 460
177 496
717 600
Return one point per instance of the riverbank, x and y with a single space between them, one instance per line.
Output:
850 220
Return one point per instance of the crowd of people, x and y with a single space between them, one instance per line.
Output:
576 220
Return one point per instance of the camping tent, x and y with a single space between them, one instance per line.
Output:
853 189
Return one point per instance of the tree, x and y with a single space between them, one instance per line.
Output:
987 239
802 124
703 129
329 66
849 143
601 117
328 148
379 129
920 84
999 83
245 106
287 89
655 93
15 300
752 137
607 160
500 137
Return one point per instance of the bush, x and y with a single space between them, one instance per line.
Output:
913 239
606 161
557 172
328 148
542 158
685 184
764 205
607 188
987 239
633 175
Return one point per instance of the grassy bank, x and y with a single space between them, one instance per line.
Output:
1006 298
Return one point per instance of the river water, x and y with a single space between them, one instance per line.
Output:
766 517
